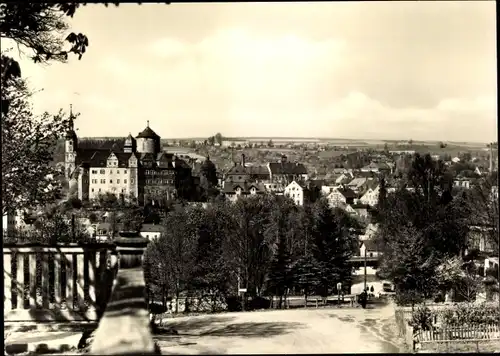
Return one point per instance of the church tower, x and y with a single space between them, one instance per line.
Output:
70 147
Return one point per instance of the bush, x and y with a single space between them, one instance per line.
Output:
407 298
233 303
448 317
467 314
259 303
422 318
492 272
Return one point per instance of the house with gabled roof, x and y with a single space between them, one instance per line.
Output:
236 190
344 178
298 192
285 172
357 183
370 196
369 248
341 195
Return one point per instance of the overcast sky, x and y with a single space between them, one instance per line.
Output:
389 70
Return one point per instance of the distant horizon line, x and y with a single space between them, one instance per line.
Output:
267 138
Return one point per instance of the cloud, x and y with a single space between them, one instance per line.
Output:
334 70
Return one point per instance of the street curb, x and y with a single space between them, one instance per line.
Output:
62 345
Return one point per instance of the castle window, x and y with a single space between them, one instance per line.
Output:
92 190
99 189
132 181
124 171
94 171
110 171
102 171
118 181
103 181
125 181
110 181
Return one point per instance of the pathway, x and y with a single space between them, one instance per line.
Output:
285 331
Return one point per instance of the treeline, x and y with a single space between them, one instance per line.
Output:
423 229
265 244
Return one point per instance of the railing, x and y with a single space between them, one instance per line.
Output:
57 283
101 283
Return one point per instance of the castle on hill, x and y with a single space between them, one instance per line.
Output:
140 172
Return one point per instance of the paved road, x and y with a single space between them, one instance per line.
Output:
285 331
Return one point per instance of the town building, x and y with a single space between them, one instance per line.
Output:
369 248
235 190
285 172
152 231
273 177
370 197
341 196
296 191
139 172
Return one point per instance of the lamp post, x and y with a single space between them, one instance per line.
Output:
365 271
339 287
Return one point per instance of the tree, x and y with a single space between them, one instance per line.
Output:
408 264
421 227
333 245
132 219
280 230
250 246
460 276
218 138
211 140
174 261
208 180
40 28
482 205
107 201
28 143
213 274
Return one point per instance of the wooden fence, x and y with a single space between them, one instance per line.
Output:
459 333
474 338
57 283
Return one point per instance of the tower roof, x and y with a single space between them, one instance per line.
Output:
207 165
129 138
70 132
148 133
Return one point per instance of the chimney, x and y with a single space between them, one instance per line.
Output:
243 159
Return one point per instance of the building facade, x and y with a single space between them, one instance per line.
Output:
139 172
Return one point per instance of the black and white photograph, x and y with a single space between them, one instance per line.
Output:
183 178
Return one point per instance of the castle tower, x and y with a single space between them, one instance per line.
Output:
70 146
130 144
148 141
